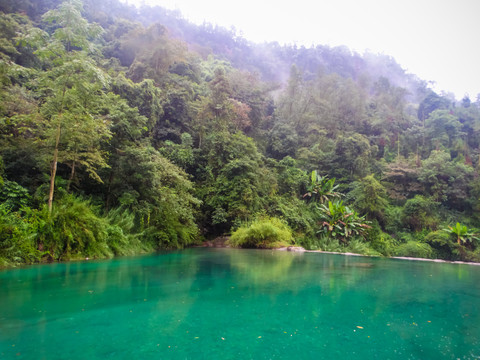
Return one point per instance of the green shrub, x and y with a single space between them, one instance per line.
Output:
415 236
443 245
13 196
415 249
72 230
17 238
322 243
262 233
299 215
474 256
420 213
393 219
380 241
327 243
121 236
357 246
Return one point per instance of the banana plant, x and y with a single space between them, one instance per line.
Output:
462 233
321 188
339 221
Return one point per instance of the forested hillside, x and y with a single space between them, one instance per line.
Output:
125 130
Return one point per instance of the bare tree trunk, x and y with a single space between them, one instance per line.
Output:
53 171
72 173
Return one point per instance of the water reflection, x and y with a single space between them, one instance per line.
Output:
227 303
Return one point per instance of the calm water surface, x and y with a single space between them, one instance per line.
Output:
241 304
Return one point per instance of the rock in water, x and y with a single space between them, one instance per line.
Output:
296 249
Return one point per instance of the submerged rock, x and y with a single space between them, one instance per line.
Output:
291 248
219 242
296 249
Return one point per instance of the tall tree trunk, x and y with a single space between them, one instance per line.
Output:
53 171
72 173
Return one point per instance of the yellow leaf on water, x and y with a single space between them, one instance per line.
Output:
360 327
259 337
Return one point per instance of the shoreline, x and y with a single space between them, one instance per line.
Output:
293 249
220 242
297 249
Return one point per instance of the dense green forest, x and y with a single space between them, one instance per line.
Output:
126 130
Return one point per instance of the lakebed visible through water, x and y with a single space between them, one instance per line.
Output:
209 303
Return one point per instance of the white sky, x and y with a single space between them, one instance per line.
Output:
438 40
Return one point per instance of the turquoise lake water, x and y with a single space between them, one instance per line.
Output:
241 304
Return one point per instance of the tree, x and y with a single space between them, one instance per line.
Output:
145 96
370 198
232 180
466 102
419 213
442 129
154 53
355 154
71 87
127 127
401 178
179 154
446 180
295 105
253 95
291 179
430 103
159 194
283 140
339 105
387 114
